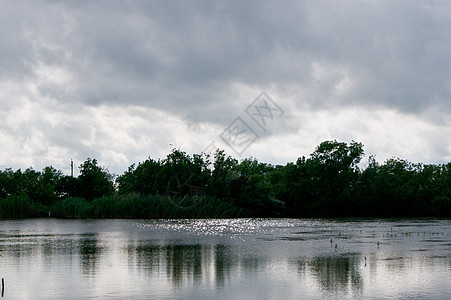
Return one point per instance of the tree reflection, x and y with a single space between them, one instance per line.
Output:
90 252
334 273
185 264
144 255
223 263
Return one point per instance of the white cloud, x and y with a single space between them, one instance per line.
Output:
119 81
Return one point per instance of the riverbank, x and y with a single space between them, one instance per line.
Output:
135 206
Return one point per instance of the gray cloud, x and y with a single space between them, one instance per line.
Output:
141 52
201 61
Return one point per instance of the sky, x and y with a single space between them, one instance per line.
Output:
121 81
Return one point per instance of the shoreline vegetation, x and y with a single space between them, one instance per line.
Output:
327 184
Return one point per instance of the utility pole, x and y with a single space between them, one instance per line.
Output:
71 168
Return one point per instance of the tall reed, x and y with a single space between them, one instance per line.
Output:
147 207
20 206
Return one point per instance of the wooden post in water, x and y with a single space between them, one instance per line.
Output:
3 286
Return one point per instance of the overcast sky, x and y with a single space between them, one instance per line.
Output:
120 81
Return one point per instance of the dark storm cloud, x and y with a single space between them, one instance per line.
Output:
183 55
205 61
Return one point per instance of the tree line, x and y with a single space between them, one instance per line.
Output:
329 183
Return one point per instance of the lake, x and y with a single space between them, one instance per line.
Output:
225 259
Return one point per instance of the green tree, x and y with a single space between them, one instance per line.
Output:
442 200
68 186
181 173
6 183
94 180
143 179
296 189
49 180
333 172
223 174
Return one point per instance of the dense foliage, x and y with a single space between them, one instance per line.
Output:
329 183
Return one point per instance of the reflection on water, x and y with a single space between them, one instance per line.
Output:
228 259
90 253
335 273
184 264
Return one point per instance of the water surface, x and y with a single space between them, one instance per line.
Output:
225 259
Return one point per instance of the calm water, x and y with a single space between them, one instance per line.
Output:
225 259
